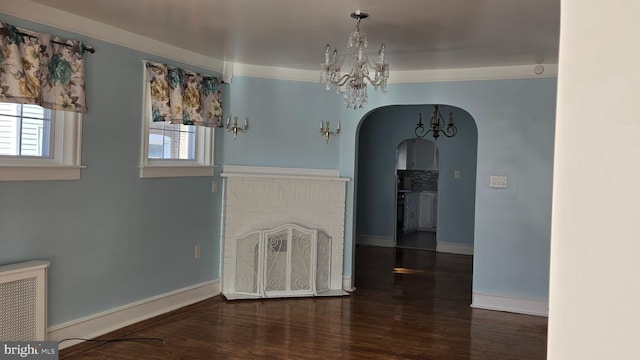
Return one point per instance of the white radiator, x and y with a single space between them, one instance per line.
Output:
23 301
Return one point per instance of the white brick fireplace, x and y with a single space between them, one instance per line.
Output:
260 199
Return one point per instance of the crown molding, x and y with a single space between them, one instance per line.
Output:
46 15
414 76
277 73
49 16
481 73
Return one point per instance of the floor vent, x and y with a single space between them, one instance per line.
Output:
23 301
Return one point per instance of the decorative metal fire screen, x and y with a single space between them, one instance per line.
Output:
289 260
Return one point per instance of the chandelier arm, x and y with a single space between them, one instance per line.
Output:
374 83
422 132
450 131
343 80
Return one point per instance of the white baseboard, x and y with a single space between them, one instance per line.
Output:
98 324
454 248
370 240
347 285
513 304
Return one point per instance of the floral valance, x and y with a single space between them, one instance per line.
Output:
184 97
38 68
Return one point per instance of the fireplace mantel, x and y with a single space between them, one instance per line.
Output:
281 173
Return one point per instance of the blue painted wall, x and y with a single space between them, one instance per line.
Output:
284 119
381 131
112 238
515 121
111 241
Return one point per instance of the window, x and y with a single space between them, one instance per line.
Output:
173 150
25 130
171 141
159 145
39 144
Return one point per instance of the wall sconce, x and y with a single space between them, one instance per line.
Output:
235 128
437 125
325 130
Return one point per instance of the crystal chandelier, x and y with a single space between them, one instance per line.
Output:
355 81
437 125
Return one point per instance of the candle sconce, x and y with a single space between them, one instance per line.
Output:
235 128
325 130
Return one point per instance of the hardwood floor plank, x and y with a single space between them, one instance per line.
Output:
408 304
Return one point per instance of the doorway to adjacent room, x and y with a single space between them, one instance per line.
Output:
416 194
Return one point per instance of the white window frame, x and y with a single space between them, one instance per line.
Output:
202 165
65 162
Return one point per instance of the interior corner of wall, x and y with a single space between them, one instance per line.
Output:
227 72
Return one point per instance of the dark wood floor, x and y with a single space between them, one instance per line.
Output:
409 304
422 240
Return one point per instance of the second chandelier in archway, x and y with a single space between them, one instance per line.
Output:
437 125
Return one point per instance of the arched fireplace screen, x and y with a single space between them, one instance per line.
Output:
285 261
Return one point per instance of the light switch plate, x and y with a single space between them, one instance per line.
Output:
456 174
498 181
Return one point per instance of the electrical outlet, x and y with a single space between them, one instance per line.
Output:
498 181
196 251
214 186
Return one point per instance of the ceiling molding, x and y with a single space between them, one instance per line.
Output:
45 15
417 76
470 74
277 73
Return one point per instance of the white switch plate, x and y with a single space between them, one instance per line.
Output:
196 251
498 181
214 186
456 174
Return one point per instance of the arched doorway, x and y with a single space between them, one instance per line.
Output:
379 134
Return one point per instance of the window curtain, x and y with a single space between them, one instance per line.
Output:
184 97
38 68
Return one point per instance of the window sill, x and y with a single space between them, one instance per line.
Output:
175 171
39 173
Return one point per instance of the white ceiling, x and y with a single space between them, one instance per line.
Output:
419 34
